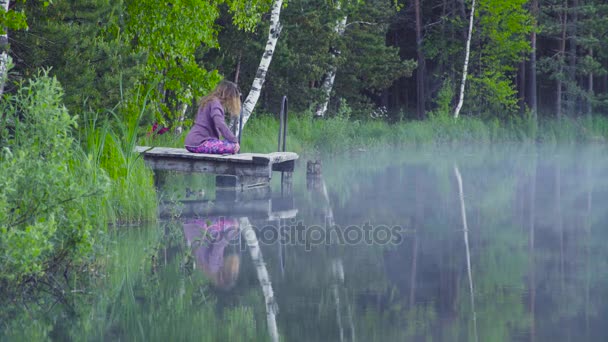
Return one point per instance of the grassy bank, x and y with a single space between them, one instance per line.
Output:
338 134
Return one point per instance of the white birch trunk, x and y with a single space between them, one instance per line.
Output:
466 62
182 117
4 59
260 76
263 277
183 108
330 75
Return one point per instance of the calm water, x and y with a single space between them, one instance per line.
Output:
502 244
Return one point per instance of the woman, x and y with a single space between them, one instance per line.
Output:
210 123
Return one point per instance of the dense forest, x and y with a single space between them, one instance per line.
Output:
400 59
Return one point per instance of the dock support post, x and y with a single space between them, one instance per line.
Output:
240 183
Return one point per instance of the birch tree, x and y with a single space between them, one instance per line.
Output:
466 62
260 77
330 75
533 85
10 20
3 48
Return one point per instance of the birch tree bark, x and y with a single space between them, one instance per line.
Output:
330 75
533 94
3 48
260 76
183 108
466 62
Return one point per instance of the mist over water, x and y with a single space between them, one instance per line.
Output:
480 244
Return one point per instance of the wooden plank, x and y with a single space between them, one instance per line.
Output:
182 153
208 166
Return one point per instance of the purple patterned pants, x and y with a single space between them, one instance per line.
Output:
214 146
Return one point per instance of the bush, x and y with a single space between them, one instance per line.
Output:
51 192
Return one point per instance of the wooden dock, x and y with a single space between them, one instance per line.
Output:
239 171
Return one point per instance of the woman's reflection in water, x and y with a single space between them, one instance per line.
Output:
209 239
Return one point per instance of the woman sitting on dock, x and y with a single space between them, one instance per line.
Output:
210 123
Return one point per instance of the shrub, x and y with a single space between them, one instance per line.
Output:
50 190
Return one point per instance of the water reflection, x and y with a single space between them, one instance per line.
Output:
498 245
209 239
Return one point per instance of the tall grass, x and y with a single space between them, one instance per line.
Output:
339 133
111 141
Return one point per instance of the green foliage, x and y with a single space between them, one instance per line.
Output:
51 192
170 35
368 65
500 39
443 101
84 45
584 35
111 145
309 46
14 20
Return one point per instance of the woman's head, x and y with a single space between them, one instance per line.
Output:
229 95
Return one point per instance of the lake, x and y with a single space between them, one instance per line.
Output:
503 243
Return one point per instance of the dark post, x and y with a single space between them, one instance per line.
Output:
282 125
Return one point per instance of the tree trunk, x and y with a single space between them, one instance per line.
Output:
533 85
238 67
330 75
4 59
521 78
420 72
561 59
466 62
179 128
260 76
182 109
590 91
571 85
